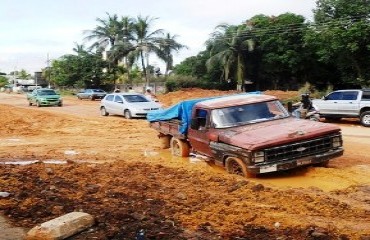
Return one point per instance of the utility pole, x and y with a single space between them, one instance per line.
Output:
48 68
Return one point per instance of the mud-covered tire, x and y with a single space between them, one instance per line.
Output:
103 111
236 166
365 119
127 114
179 148
38 104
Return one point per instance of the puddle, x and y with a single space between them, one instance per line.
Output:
13 139
70 152
326 179
51 161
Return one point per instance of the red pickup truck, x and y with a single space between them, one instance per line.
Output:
248 134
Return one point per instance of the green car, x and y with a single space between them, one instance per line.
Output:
44 97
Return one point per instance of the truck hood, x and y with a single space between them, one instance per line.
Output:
274 133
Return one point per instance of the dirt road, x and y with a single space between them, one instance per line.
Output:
114 169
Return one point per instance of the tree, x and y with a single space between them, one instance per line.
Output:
22 74
340 37
279 49
228 48
82 70
167 45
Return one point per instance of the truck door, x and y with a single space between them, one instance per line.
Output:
349 105
198 133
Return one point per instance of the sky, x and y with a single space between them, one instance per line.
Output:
33 31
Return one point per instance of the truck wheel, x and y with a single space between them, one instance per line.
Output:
365 119
127 114
179 148
38 104
236 166
29 104
165 141
103 111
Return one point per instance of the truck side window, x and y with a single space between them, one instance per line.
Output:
366 96
334 96
349 95
201 115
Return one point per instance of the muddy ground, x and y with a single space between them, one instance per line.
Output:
113 168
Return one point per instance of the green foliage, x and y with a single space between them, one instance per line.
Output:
83 70
176 82
3 81
341 37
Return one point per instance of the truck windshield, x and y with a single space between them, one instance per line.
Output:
247 114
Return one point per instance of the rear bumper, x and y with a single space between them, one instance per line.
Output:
310 160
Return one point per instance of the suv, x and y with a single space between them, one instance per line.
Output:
352 103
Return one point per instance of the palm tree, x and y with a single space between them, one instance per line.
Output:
228 47
145 40
106 33
167 45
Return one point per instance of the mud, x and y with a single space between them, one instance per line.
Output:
114 169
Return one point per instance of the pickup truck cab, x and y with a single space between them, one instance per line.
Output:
44 97
248 134
352 103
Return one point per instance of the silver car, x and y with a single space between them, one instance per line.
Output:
128 105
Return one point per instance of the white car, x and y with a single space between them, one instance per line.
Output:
128 105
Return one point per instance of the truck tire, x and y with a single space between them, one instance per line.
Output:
236 166
365 119
179 148
38 104
29 104
165 141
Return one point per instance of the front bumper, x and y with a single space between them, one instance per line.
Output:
50 102
285 165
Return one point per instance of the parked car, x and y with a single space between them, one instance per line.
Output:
44 97
128 105
351 103
92 94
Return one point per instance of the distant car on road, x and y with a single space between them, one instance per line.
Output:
44 97
128 105
91 93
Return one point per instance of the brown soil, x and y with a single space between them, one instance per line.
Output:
115 170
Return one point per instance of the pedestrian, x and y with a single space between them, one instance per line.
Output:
151 96
130 90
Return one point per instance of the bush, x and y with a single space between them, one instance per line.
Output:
177 82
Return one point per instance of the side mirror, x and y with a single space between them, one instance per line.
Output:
194 124
324 98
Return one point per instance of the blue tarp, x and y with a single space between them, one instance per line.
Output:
181 111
